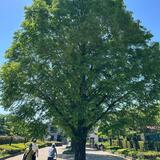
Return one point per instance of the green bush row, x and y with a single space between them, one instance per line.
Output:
137 145
11 139
129 149
139 154
17 148
132 152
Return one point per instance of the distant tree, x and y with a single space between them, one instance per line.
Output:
129 120
79 60
26 129
2 125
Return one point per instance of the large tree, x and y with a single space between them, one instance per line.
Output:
77 60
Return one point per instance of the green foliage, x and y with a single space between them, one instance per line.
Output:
7 149
141 145
152 145
78 61
140 154
3 128
2 155
129 120
10 149
124 143
113 147
24 128
145 155
150 154
123 151
105 144
132 152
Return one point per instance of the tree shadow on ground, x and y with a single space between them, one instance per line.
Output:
66 156
92 157
91 149
102 157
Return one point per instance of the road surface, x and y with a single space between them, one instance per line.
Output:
91 155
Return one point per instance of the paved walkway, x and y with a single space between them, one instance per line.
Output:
42 154
91 155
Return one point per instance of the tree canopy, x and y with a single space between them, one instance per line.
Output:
77 60
129 120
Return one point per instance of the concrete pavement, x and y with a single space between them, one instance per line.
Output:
91 155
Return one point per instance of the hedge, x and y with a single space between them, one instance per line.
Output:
17 148
151 155
124 151
129 149
11 139
137 145
152 146
7 149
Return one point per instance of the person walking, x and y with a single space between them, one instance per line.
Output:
34 148
52 153
28 153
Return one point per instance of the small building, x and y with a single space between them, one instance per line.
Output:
55 134
93 139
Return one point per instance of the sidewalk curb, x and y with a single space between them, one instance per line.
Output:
11 156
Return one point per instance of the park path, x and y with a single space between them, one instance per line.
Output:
42 154
91 155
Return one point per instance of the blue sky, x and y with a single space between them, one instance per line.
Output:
12 14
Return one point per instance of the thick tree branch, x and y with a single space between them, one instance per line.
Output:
110 106
51 102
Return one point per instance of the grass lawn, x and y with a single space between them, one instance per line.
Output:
6 149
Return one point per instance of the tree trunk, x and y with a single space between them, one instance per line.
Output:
80 149
11 140
73 145
110 141
25 140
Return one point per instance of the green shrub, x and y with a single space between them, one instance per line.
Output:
17 148
39 143
105 144
149 145
9 149
13 139
2 155
128 144
113 147
19 145
149 154
132 152
141 145
157 146
124 143
123 151
144 155
115 142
